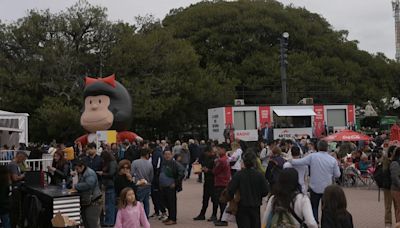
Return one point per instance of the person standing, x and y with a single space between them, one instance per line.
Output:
287 199
143 172
208 186
108 174
194 154
334 209
387 195
130 213
266 134
395 186
17 177
222 176
185 157
124 178
59 169
92 160
176 150
302 170
88 187
202 151
323 169
156 160
132 152
5 202
235 158
275 166
171 176
252 187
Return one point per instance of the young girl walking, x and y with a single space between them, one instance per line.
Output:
130 213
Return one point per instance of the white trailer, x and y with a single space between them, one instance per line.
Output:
287 121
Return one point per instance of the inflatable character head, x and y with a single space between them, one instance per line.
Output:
107 105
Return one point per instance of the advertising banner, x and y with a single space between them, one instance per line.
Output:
319 120
265 115
289 133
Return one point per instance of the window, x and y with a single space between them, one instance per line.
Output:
245 120
336 117
292 121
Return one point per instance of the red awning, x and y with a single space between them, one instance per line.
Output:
347 135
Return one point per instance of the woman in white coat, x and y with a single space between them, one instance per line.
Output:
287 194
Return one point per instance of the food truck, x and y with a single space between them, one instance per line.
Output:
287 121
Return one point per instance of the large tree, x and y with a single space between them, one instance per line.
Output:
242 38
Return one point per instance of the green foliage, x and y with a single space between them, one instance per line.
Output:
56 119
242 38
197 57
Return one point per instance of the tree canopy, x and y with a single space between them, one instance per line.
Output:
197 57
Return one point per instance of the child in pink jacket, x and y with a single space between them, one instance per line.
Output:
130 213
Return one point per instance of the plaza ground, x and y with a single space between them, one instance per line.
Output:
362 203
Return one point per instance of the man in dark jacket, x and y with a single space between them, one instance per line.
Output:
208 186
194 154
132 152
252 187
171 176
92 160
156 160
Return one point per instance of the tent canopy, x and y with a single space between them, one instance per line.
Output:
294 112
17 123
347 135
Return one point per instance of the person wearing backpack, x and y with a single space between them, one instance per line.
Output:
395 178
383 180
288 207
275 166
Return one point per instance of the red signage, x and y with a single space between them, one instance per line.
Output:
228 116
350 114
319 119
265 117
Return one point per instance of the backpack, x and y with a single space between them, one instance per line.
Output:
280 218
382 177
272 173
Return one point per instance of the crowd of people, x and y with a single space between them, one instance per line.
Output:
292 177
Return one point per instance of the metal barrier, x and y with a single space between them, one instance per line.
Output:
33 164
10 154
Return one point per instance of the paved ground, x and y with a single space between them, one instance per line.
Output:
362 203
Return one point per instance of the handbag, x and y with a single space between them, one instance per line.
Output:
197 168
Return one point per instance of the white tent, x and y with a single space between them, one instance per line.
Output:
13 128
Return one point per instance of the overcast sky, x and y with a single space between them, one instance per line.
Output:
370 22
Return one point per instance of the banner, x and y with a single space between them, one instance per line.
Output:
265 116
350 114
108 137
228 115
319 119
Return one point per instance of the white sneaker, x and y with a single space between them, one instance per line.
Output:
164 218
388 225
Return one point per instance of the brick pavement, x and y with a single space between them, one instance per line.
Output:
362 203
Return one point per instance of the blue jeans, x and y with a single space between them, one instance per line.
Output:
143 194
5 221
109 218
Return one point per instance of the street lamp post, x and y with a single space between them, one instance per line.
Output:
283 59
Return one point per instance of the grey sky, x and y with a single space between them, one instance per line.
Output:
370 22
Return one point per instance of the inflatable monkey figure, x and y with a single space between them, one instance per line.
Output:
107 106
